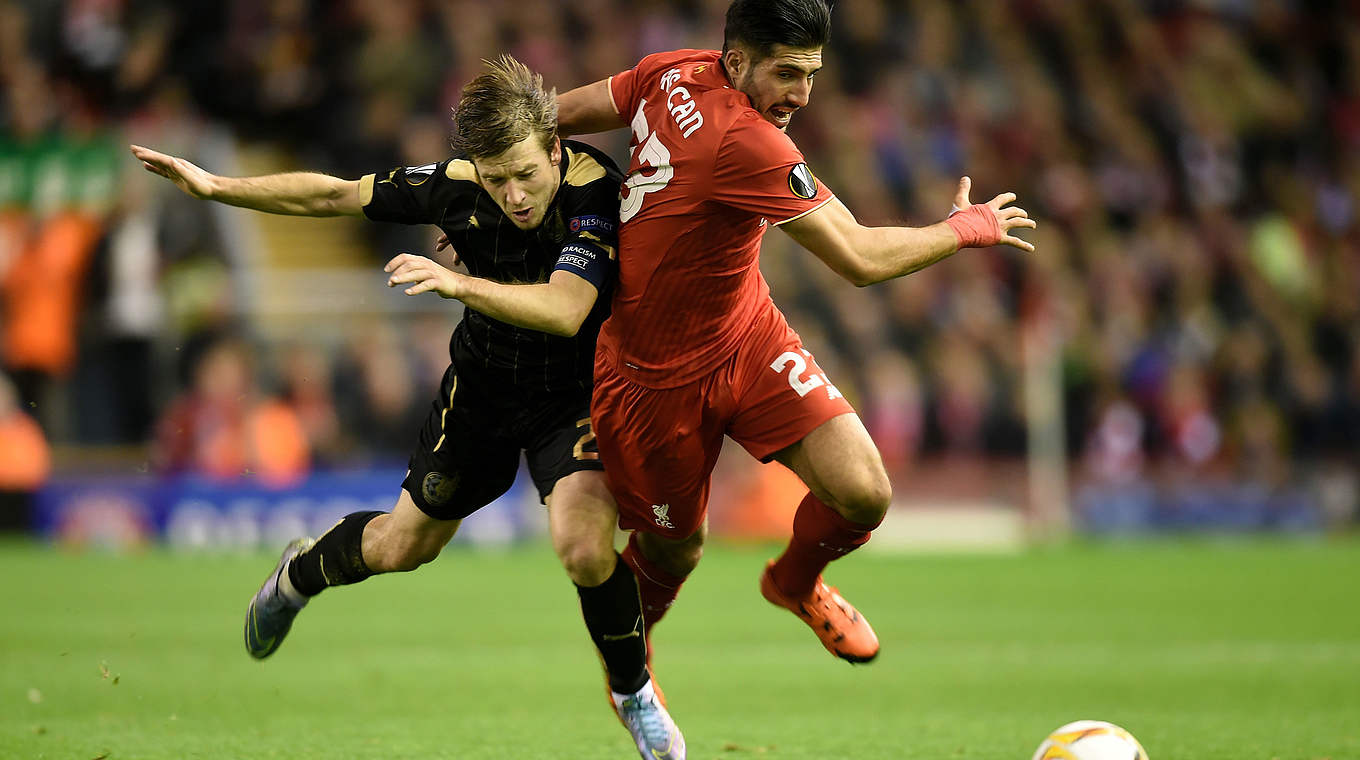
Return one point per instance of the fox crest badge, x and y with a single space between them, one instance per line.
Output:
438 488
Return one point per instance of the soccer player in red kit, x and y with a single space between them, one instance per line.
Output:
695 348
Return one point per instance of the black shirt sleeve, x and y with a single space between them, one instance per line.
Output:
591 215
417 194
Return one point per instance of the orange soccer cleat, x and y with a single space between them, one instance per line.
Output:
843 631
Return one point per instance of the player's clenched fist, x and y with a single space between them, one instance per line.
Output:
987 224
427 275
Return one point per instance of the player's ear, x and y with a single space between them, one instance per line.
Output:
733 61
555 155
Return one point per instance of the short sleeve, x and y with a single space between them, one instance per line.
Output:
621 87
626 87
410 194
760 171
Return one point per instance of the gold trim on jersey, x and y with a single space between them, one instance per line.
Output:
444 414
582 169
597 241
461 169
805 213
366 189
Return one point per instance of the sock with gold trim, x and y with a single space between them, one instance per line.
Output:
336 559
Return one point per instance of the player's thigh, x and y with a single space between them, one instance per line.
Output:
658 447
564 463
465 458
841 466
784 395
792 412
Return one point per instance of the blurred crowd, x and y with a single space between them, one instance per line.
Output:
1194 166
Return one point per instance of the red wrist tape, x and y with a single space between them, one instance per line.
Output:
975 226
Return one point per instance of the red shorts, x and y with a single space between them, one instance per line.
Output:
659 446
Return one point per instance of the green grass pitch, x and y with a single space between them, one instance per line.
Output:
1203 649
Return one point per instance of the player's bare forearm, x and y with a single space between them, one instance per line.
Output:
866 255
295 194
890 252
545 307
558 306
587 110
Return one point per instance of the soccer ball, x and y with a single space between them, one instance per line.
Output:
1090 740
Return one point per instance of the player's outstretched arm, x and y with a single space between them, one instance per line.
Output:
297 194
587 110
558 306
866 255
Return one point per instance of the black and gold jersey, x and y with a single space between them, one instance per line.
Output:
579 234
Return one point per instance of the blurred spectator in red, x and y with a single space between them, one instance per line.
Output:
224 428
305 378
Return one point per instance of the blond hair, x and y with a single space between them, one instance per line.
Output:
502 107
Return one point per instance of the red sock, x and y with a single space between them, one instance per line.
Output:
656 586
820 535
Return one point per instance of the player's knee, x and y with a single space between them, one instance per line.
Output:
685 558
586 563
867 501
679 558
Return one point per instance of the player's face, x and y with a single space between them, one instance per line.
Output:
522 180
781 83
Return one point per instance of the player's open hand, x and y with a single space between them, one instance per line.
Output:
189 177
990 223
406 268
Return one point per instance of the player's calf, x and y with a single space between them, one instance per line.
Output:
821 535
658 583
336 559
613 615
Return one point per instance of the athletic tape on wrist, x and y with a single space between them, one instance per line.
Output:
975 226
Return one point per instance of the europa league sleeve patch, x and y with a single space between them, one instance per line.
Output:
417 175
802 183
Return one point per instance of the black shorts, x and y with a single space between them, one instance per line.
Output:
469 446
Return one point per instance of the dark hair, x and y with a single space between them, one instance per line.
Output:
761 24
502 107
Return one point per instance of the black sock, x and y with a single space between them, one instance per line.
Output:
336 559
613 614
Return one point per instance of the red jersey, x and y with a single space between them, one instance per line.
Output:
707 176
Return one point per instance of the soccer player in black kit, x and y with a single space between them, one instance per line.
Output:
534 219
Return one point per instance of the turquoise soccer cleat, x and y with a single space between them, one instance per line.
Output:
655 734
